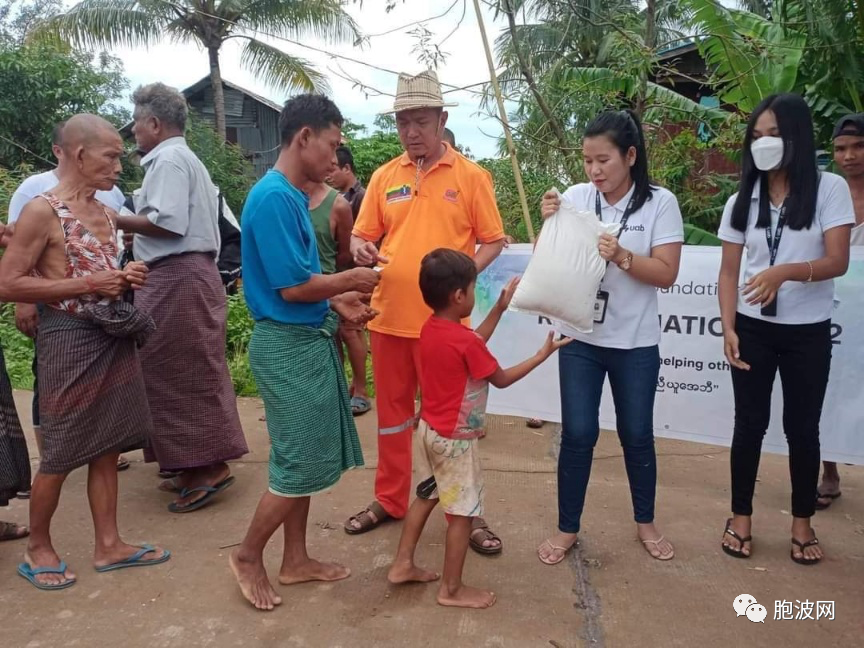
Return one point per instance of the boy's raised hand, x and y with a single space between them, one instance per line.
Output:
507 293
552 345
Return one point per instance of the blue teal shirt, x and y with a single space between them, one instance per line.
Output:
279 251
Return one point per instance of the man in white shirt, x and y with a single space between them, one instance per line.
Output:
849 158
176 228
26 315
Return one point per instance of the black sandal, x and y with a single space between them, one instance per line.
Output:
803 545
729 551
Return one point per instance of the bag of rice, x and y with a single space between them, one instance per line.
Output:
566 269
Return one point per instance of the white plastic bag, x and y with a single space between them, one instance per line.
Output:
566 269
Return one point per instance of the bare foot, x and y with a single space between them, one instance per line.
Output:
467 597
47 557
408 572
312 570
553 550
253 582
655 543
123 551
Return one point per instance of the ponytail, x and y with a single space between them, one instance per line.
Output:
624 129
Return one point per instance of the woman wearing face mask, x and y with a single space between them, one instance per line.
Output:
624 344
794 224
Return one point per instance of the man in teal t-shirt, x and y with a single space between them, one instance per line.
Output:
292 353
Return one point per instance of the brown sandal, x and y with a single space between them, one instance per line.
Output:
369 518
12 531
480 533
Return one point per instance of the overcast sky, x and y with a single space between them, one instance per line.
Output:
181 66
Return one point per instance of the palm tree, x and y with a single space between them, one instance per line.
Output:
211 23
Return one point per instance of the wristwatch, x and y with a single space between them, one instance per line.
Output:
625 263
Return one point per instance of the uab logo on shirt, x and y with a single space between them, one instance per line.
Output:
634 228
398 194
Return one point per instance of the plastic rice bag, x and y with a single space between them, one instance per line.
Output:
566 269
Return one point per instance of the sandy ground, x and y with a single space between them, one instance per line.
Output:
607 593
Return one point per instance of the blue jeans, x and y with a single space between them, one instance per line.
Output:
633 377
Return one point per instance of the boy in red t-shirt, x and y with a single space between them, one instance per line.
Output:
456 371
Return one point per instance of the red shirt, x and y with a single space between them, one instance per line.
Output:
455 367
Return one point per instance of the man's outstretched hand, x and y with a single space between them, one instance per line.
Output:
354 307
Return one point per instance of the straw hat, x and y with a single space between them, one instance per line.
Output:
420 91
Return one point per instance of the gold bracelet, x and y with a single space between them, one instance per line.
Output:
810 277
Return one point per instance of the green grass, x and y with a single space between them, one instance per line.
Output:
17 349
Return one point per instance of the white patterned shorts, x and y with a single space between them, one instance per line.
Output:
450 472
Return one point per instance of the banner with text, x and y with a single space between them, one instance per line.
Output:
694 392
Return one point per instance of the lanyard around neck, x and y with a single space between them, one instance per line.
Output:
773 244
624 218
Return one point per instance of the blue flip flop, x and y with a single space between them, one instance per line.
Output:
135 560
360 405
30 573
211 491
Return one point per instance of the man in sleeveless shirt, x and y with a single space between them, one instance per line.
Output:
332 219
27 315
63 254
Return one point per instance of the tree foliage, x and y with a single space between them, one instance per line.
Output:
371 151
44 84
563 61
812 47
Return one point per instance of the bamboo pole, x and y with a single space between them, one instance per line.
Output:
511 148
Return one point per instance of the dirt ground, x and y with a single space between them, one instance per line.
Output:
608 593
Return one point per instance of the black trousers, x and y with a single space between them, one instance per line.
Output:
802 353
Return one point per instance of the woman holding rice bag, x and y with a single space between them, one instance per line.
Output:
624 343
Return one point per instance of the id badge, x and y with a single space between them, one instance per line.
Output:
600 305
771 309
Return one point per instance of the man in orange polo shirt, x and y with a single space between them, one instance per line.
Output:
429 197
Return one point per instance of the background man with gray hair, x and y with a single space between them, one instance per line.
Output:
197 428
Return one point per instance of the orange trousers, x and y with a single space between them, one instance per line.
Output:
396 373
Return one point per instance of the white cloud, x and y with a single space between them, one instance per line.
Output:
183 65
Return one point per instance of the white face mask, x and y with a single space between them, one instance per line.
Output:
767 153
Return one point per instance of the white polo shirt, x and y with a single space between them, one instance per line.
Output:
631 314
797 302
38 184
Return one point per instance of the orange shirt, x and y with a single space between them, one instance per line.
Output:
453 207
